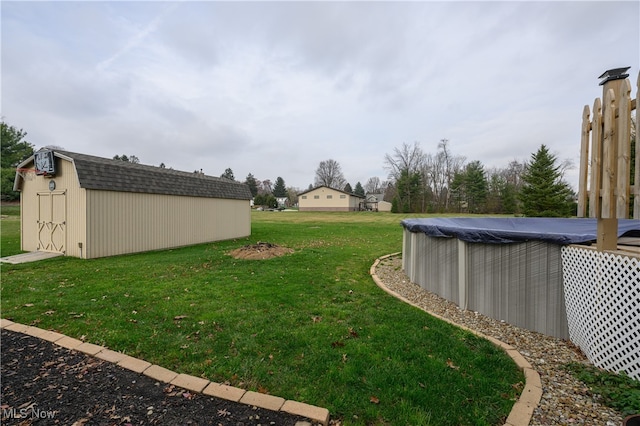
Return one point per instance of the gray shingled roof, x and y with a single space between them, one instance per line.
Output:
114 175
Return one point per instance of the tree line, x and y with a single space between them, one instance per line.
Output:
418 182
446 183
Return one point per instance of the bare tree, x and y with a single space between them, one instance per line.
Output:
408 158
329 173
266 187
566 164
446 166
513 173
373 186
292 195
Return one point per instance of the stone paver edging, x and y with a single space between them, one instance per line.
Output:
161 374
522 410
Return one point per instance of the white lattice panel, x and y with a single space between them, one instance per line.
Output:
602 293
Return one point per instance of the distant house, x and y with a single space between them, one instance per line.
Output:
282 201
324 198
376 203
85 206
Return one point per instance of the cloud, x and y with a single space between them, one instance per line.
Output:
138 36
273 88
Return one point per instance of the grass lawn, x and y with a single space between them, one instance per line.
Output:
310 326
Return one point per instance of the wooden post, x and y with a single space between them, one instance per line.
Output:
584 158
607 232
607 173
609 155
623 129
596 160
607 238
636 182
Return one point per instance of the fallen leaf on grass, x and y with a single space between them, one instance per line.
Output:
337 344
450 364
179 317
374 400
28 305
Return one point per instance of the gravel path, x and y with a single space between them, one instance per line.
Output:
565 400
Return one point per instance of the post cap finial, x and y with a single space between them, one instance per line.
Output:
614 74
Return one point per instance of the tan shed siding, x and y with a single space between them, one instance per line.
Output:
323 209
124 222
354 203
384 206
328 200
73 209
29 215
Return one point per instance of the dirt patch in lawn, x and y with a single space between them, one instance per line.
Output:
260 251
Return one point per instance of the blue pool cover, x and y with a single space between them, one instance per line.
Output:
496 230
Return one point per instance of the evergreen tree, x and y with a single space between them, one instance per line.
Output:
476 187
359 190
469 188
228 174
408 187
14 151
270 201
347 188
394 205
457 199
14 148
279 190
252 183
509 199
495 190
544 193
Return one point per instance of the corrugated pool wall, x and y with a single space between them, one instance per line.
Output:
520 283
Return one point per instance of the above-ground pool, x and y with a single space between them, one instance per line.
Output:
506 268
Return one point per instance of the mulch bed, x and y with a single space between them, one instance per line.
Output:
45 384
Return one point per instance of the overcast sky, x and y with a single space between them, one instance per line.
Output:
273 88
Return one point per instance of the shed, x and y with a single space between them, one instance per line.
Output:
375 202
88 207
324 198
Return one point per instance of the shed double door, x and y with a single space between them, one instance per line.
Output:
52 221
